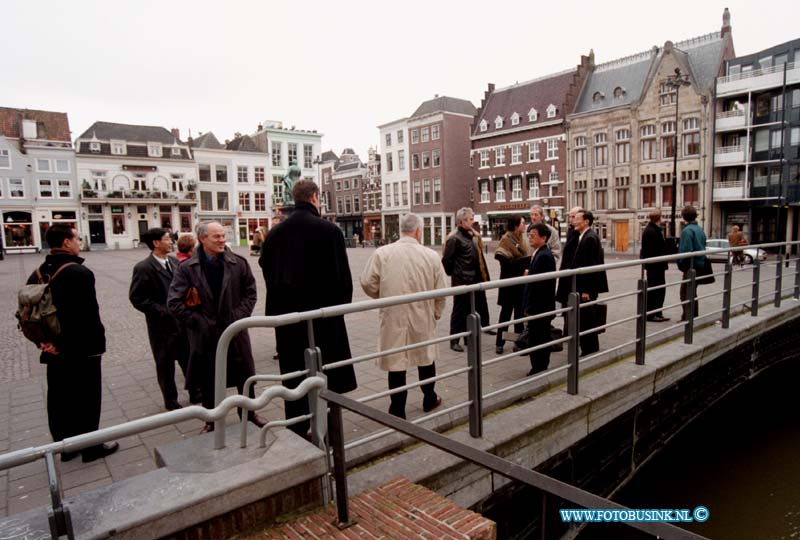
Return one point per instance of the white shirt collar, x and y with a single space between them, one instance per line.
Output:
160 260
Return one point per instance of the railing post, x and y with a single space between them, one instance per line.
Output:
726 295
339 466
474 382
58 515
313 358
778 279
573 328
641 323
756 279
797 279
691 292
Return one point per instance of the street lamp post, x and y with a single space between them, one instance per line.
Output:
676 81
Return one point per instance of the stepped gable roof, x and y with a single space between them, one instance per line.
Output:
243 143
105 131
53 126
207 140
445 104
520 98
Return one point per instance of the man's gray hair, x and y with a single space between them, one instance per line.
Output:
410 223
537 208
462 214
202 228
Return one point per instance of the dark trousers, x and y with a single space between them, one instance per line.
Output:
539 332
398 400
165 371
74 394
505 315
655 299
589 343
462 308
683 291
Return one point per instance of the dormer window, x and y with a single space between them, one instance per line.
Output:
597 97
533 115
498 122
619 93
484 125
551 111
154 149
118 148
515 119
94 147
175 151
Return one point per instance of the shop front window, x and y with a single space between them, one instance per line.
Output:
17 229
118 220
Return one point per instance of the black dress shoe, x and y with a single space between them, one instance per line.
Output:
456 347
69 456
173 405
657 318
435 405
98 452
498 349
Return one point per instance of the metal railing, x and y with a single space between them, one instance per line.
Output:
756 73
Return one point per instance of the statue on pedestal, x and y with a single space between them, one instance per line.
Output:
289 181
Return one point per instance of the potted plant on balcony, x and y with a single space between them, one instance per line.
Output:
87 191
116 194
191 186
191 195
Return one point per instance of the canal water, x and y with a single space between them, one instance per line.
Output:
741 460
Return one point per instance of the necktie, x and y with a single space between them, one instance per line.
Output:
168 267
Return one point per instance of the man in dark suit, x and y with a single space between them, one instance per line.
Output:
305 267
209 291
148 294
588 252
540 296
654 245
74 385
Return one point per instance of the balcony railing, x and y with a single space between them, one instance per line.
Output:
730 149
138 195
727 184
731 114
755 73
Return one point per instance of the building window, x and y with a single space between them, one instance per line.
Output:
388 139
277 187
649 197
623 146
356 204
533 115
691 137
648 134
204 171
498 122
551 111
396 193
516 189
16 188
222 201
339 207
516 154
600 202
308 156
154 149
417 192
118 148
499 156
600 150
484 159
260 200
484 188
348 204
43 165
666 195
622 183
292 153
65 189
597 97
533 187
241 175
690 194
484 125
533 151
619 93
425 134
400 136
580 199
435 157
426 192
437 190
667 94
118 220
346 184
414 136
206 201
244 201
500 189
515 119
62 165
94 147
337 186
259 174
426 160
276 154
175 151
45 188
404 190
401 160
552 149
389 166
415 162
622 198
435 132
221 172
5 159
389 194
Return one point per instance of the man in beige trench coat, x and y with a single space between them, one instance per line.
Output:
404 267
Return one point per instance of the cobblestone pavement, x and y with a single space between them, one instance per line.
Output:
130 389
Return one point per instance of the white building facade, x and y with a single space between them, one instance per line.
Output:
394 176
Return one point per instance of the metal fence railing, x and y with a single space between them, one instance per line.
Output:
733 281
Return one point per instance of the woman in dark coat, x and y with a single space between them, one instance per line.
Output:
514 260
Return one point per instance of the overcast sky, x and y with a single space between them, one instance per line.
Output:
340 67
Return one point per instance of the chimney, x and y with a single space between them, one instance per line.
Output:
259 128
726 22
176 133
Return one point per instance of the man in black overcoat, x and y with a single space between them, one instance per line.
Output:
74 386
148 294
540 296
209 291
305 267
654 245
588 252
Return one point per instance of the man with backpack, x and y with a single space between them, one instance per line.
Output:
74 345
